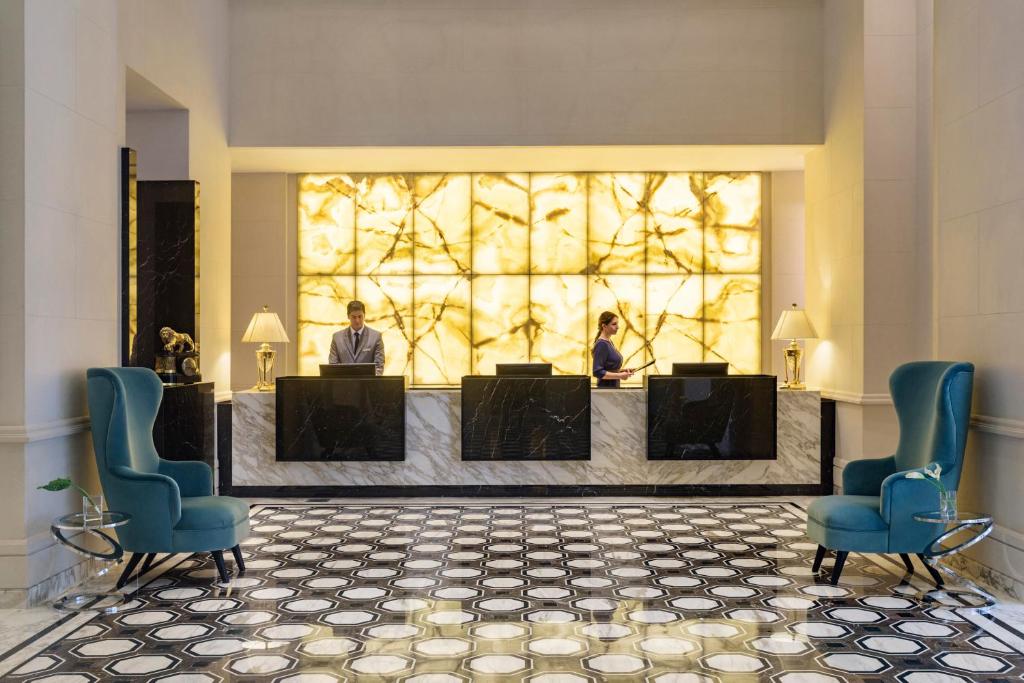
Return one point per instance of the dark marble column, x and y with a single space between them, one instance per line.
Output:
184 427
165 269
223 473
526 418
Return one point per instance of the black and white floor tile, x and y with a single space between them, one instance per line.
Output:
670 593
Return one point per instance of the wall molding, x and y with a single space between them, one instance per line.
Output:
42 431
998 425
856 398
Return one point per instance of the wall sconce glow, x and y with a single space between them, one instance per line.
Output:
460 271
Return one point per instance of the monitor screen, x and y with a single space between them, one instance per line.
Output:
700 369
349 370
523 369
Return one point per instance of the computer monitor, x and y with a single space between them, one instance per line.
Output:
523 369
348 370
700 369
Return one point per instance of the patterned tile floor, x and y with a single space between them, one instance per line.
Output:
670 593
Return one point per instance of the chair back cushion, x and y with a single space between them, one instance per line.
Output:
122 427
933 404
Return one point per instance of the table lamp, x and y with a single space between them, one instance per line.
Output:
794 324
264 328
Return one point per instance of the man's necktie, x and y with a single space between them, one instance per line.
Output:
355 347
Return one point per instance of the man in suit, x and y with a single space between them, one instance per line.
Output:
358 343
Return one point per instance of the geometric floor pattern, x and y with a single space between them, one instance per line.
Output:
539 593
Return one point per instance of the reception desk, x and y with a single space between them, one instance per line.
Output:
525 418
340 419
618 463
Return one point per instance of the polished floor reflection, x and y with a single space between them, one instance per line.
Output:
575 592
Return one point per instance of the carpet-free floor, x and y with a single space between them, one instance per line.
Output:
582 591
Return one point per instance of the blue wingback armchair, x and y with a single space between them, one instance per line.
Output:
875 512
172 504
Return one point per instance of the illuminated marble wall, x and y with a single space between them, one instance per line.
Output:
460 271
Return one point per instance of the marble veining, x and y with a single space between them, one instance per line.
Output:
618 455
712 418
340 419
460 271
526 418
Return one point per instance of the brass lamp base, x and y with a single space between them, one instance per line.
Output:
265 366
793 354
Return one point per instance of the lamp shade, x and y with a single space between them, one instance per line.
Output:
265 326
794 324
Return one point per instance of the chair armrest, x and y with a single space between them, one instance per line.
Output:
148 495
901 499
194 478
865 477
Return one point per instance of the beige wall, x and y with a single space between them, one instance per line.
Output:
500 72
62 103
787 258
979 119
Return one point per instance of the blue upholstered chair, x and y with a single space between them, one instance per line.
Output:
172 504
875 512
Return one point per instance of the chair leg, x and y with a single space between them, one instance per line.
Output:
818 557
218 558
239 562
907 563
936 576
837 568
129 569
145 565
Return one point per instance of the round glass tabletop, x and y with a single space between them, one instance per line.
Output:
107 520
961 517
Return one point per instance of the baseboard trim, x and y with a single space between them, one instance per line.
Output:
540 490
43 430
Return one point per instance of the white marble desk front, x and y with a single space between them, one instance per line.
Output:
618 450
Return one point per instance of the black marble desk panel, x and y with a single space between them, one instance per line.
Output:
711 418
340 419
526 418
184 425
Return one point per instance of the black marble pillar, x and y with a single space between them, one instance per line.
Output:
711 418
165 269
184 427
526 418
341 419
224 447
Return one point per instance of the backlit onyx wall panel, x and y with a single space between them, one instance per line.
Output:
461 271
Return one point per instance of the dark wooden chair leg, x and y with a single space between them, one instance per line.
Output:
218 558
837 568
146 565
818 557
239 562
907 563
129 569
936 576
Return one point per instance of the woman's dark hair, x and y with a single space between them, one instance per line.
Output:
602 320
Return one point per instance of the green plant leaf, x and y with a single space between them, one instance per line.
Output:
58 484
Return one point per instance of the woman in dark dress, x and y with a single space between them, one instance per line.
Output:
607 359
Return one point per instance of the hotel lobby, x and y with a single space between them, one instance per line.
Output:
506 340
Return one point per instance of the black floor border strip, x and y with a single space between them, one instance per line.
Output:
529 490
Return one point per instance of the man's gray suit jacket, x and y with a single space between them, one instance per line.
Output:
371 348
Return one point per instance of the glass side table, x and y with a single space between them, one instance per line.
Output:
978 525
92 595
